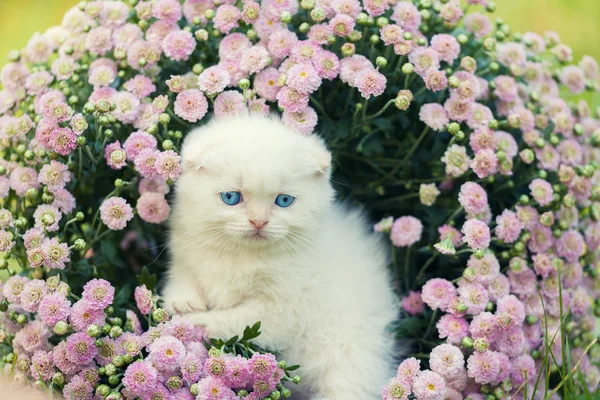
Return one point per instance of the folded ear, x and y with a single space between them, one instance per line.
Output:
320 154
196 151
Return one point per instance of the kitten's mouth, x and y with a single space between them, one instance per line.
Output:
258 235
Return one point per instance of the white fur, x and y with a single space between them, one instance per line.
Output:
317 281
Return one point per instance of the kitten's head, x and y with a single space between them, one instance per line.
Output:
252 183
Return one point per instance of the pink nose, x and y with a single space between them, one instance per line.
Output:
258 224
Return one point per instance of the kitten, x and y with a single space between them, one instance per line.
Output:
256 237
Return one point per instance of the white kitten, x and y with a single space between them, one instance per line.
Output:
255 237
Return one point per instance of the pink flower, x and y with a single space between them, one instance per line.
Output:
265 83
434 116
42 365
485 163
483 367
211 388
413 304
254 60
486 269
179 45
138 141
570 245
127 107
429 385
506 88
478 24
78 389
168 10
56 254
63 141
115 155
424 59
115 212
145 162
541 191
292 100
47 216
396 389
482 138
140 378
474 296
143 299
446 46
409 369
226 18
230 103
32 294
303 78
98 294
406 231
342 25
435 80
166 353
370 82
477 234
191 369
213 80
155 184
22 179
438 293
81 349
446 360
376 8
453 328
168 165
191 105
140 85
303 122
473 198
262 366
522 369
99 41
55 175
458 109
53 308
407 15
153 208
508 227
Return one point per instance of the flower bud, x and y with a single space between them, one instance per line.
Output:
467 342
381 62
296 379
468 64
481 344
58 378
527 156
403 100
286 393
110 369
285 17
308 5
21 319
453 82
168 144
318 14
547 219
93 331
408 68
103 390
115 332
160 315
348 49
201 35
569 200
374 39
469 274
114 395
61 328
174 383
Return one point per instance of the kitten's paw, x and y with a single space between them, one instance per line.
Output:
212 327
184 306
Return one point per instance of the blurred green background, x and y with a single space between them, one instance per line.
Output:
577 21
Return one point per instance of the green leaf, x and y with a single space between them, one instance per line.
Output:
292 368
232 341
123 296
251 333
145 278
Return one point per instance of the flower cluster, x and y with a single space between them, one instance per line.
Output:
422 99
82 348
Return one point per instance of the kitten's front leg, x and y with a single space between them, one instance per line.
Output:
183 295
224 324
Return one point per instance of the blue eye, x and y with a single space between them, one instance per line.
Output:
231 198
284 200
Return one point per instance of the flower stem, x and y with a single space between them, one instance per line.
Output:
425 266
414 147
407 270
435 312
378 113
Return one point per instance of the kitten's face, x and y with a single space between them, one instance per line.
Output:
252 183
